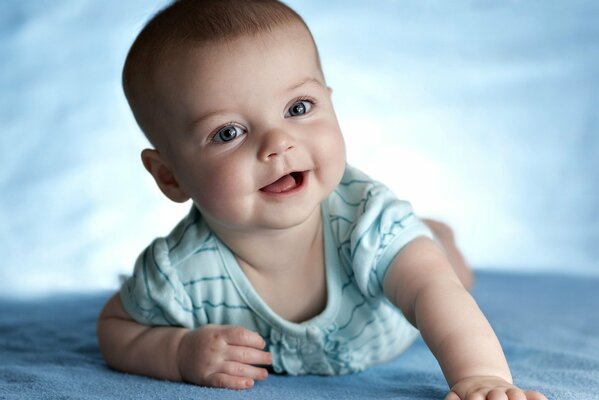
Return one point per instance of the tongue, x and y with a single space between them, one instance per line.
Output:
282 185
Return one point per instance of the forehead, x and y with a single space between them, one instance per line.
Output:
251 63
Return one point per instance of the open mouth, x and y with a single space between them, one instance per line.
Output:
286 183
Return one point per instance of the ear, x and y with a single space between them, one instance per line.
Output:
163 176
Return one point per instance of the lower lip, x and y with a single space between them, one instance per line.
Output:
290 192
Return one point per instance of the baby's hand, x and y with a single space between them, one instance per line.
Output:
223 356
490 388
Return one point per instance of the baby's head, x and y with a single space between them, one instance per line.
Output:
232 96
185 25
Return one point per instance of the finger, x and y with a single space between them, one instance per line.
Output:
471 396
452 396
533 395
497 394
244 370
248 355
516 394
222 380
240 336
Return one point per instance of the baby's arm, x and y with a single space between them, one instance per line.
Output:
214 355
422 283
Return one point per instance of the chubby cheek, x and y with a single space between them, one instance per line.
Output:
332 154
222 192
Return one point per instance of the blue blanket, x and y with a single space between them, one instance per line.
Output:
548 325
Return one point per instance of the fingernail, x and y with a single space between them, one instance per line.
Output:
249 383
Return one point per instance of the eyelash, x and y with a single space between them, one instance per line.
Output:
220 128
308 99
313 102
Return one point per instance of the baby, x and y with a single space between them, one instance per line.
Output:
289 259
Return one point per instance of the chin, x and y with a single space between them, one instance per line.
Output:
291 218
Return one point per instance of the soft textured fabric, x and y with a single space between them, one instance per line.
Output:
190 278
548 326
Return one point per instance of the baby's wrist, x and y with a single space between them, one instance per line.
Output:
475 379
182 353
481 374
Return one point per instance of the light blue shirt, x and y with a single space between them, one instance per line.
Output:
190 278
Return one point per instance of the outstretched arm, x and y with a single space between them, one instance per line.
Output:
422 283
214 355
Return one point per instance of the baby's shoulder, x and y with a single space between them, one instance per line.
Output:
356 197
354 191
190 238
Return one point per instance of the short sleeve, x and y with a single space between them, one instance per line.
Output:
375 227
154 294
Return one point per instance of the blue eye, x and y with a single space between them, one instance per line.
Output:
227 134
299 108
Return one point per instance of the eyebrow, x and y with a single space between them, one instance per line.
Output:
208 115
303 82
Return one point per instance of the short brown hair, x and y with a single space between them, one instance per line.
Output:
193 23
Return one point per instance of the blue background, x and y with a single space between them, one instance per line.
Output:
482 113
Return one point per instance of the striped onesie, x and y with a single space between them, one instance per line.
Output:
190 278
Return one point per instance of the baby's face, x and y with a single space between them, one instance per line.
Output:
253 138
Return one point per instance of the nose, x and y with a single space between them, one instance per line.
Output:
275 143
